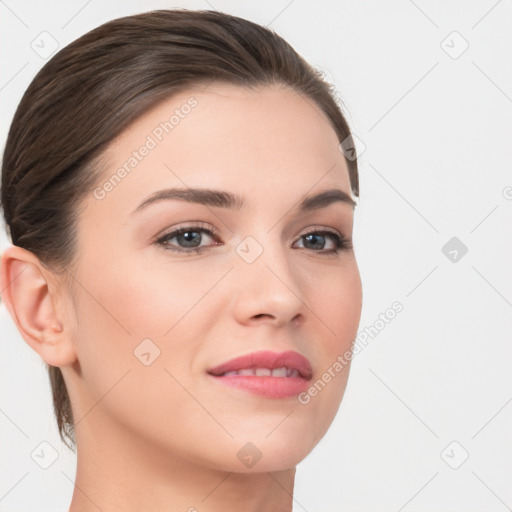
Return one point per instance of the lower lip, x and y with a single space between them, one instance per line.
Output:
271 387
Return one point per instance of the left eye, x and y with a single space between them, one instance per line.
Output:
317 239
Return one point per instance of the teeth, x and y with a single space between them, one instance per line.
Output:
264 372
279 372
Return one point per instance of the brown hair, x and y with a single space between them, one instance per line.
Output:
92 89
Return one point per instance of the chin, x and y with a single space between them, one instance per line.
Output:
277 452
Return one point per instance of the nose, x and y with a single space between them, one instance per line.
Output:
268 290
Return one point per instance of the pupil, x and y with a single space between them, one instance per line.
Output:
185 236
310 237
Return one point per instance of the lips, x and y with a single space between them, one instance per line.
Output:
269 374
288 364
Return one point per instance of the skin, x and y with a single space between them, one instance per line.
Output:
165 436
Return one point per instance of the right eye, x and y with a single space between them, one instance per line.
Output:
188 239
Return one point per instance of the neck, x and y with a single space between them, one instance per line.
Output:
121 473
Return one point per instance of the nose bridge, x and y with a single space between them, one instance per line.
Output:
266 283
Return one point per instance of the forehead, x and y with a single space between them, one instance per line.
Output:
268 137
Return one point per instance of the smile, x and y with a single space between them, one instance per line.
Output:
266 373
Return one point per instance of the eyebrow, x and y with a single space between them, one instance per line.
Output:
221 199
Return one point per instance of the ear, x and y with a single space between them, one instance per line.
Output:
30 292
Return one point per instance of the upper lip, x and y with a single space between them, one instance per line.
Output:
267 359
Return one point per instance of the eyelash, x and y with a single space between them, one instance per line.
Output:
341 242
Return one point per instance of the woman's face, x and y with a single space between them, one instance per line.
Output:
156 310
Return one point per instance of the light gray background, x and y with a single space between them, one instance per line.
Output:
436 127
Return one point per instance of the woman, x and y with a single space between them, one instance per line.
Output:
180 208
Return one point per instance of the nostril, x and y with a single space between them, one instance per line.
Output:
262 314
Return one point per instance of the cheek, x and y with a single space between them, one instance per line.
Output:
129 309
124 354
337 304
140 301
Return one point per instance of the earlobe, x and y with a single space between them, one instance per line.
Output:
26 292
